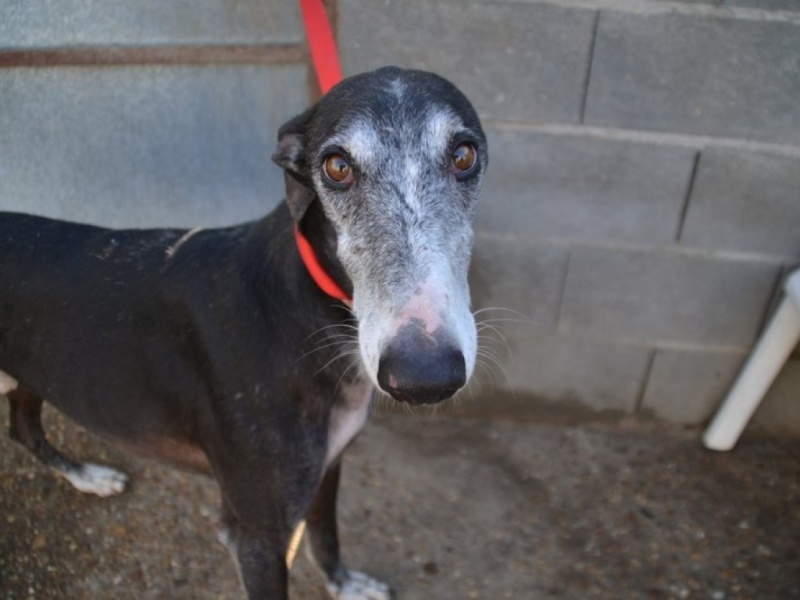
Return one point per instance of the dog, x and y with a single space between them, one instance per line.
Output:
228 352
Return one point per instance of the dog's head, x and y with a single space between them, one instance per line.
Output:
396 159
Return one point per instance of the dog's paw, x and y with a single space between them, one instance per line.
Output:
358 586
97 479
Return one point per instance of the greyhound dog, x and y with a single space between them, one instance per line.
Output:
222 350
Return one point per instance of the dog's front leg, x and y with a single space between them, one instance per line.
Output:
255 521
259 554
323 543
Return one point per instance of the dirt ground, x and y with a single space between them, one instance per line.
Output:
442 509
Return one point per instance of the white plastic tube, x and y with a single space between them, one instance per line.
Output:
765 362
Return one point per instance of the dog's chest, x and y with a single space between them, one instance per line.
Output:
347 418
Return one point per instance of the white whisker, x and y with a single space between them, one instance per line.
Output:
331 344
521 316
338 356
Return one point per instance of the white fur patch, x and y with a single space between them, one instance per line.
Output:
97 479
361 140
397 88
347 418
440 126
226 539
359 586
7 383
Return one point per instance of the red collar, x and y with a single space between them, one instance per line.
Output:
316 270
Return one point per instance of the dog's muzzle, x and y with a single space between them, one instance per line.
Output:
418 367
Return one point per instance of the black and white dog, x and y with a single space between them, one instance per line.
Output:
216 350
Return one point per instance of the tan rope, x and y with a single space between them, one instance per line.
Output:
183 239
294 543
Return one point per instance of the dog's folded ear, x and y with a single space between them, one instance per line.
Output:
290 153
299 197
291 157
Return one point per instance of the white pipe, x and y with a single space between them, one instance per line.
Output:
765 362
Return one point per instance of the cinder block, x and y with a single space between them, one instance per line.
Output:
698 75
584 188
142 147
599 376
780 409
49 23
666 297
517 286
744 201
687 387
520 61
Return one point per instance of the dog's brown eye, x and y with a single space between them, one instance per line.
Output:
465 156
338 170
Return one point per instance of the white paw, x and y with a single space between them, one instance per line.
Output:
359 586
97 479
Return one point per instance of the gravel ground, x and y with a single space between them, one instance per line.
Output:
442 509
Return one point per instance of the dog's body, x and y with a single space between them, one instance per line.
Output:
215 350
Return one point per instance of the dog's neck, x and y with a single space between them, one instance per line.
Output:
269 257
318 273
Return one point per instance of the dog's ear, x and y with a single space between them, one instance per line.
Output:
299 196
290 155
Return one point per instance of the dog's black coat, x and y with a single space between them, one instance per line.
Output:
196 350
104 321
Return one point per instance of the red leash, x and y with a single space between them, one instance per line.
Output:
324 54
325 57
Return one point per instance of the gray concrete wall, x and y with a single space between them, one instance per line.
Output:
146 113
643 199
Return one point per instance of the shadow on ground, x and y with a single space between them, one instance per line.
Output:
444 510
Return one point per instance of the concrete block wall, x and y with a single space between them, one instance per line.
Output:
643 201
643 198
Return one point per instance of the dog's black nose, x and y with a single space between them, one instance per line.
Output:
417 369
